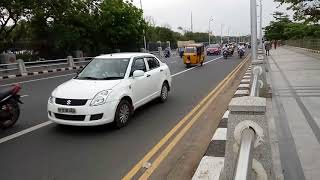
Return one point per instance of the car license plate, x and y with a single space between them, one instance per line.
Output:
67 110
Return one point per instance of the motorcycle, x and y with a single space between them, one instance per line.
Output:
241 53
9 106
167 54
225 54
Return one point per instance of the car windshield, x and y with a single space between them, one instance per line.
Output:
190 50
214 46
104 69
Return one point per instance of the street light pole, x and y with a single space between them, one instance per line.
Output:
209 28
144 34
261 36
253 13
221 34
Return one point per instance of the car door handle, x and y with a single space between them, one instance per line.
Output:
161 70
148 75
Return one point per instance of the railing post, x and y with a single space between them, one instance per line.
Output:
21 66
248 112
70 61
160 52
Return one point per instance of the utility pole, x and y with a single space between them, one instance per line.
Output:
209 28
228 34
261 36
191 23
221 34
253 13
144 34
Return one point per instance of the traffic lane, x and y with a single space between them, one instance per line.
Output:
34 109
102 152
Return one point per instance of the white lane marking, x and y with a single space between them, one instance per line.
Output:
220 134
7 138
22 82
26 131
24 95
195 67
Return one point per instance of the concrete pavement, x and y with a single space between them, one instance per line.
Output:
296 98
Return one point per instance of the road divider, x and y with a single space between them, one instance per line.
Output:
179 130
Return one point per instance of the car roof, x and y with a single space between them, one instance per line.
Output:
124 55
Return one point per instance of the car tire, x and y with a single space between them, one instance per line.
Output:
164 92
123 114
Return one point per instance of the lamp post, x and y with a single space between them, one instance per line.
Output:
144 36
253 14
209 28
221 34
261 36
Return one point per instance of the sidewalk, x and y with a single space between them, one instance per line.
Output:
296 100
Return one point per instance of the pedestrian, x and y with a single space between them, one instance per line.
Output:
267 47
275 44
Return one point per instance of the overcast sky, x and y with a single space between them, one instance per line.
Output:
234 14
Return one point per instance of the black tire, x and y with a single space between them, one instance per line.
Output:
164 92
123 114
188 65
15 113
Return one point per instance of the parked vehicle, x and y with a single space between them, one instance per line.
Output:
9 103
109 89
193 54
213 49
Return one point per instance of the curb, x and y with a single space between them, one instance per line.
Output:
40 72
212 163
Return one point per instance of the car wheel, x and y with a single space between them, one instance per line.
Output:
123 114
164 92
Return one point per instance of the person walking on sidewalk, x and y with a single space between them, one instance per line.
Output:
267 47
275 44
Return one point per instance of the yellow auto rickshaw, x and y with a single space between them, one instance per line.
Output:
193 54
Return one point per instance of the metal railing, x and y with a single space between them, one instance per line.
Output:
304 43
46 64
248 136
243 170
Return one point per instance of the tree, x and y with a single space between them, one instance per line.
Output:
11 11
308 10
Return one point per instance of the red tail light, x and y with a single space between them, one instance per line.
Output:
16 88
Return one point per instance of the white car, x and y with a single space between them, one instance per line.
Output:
109 89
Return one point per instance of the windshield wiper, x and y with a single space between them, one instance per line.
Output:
111 78
89 78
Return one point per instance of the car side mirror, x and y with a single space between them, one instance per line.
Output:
138 73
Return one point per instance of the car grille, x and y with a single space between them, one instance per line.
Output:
71 102
70 117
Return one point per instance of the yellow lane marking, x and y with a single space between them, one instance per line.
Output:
177 138
154 150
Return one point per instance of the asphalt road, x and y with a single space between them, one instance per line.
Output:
64 153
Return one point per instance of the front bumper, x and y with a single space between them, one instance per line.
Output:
108 111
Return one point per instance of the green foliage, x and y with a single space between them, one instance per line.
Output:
307 10
284 29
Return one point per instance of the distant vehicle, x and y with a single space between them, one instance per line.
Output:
9 106
213 49
193 54
109 89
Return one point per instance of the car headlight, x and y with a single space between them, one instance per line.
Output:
100 98
51 99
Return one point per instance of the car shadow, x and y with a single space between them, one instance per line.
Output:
107 128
